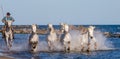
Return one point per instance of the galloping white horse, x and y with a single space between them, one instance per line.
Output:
91 37
88 38
66 37
8 33
84 38
52 37
33 39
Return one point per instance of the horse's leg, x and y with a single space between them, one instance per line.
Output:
13 33
64 48
88 47
35 46
68 49
64 44
67 46
82 44
11 40
7 42
89 42
49 45
52 46
82 47
84 40
6 39
95 46
95 43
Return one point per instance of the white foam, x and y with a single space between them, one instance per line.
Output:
102 43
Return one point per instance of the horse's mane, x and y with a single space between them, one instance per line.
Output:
83 29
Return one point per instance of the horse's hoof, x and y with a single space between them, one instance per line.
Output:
88 50
68 49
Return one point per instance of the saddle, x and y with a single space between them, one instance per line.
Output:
3 31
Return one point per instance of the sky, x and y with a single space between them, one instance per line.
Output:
77 12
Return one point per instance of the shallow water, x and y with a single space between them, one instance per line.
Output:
19 50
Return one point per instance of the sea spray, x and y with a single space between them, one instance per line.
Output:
76 40
20 47
20 43
43 46
102 43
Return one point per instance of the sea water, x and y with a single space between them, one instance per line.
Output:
20 46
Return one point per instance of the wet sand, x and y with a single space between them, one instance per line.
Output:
5 57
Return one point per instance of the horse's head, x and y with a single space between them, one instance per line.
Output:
66 28
34 27
62 27
50 27
91 30
8 23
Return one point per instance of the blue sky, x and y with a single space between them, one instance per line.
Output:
43 12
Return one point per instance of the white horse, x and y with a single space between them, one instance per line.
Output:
33 39
66 37
91 37
84 38
52 37
88 38
8 33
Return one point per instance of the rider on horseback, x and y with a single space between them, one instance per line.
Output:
7 17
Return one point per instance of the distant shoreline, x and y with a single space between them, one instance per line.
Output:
26 29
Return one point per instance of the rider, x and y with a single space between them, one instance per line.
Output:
7 17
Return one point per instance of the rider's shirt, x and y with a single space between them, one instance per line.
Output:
8 18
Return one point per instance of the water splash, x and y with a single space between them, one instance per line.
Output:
102 43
